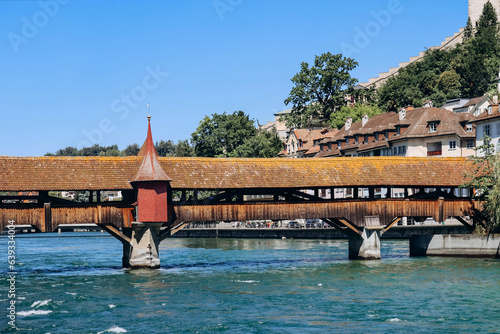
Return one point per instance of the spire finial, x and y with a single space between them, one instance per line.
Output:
149 114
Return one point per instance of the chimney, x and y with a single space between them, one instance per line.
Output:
364 120
495 99
348 123
402 114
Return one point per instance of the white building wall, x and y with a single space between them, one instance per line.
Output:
494 135
418 147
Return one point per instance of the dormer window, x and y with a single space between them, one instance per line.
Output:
329 146
432 127
356 139
386 134
376 137
366 139
339 144
490 110
398 130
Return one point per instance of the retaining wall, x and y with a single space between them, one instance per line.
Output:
467 245
397 232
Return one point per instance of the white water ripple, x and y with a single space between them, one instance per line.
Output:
33 312
114 329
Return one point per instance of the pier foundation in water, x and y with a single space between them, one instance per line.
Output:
365 246
142 250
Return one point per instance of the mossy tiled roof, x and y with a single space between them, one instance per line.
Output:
114 173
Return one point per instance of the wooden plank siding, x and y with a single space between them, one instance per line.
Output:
93 214
353 210
23 216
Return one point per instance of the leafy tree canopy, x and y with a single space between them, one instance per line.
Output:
164 148
264 144
233 135
220 134
319 90
468 70
357 111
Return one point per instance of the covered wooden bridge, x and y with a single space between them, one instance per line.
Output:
341 191
210 189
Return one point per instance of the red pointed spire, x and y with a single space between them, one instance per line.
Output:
150 169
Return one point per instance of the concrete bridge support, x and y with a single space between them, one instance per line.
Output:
365 246
140 248
143 248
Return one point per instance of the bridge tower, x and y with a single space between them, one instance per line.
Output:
153 187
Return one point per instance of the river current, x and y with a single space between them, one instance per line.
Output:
74 283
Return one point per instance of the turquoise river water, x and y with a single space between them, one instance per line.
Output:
74 283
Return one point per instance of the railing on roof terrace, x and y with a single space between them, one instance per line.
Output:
431 153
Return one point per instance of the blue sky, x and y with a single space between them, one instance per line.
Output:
80 72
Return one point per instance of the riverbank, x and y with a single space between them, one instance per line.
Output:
470 245
397 232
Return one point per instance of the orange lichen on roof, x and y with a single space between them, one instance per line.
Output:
114 173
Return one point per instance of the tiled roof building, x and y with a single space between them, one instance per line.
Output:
412 132
305 142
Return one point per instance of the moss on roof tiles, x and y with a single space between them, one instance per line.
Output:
109 173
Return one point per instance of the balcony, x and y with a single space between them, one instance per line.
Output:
432 153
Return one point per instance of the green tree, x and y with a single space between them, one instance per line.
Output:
221 134
131 150
337 120
486 41
478 66
485 182
183 149
468 30
449 84
68 152
319 90
264 144
165 148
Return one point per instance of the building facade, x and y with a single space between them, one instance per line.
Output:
410 132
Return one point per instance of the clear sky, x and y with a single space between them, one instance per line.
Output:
80 72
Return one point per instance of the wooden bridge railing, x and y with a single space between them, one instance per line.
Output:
353 210
47 218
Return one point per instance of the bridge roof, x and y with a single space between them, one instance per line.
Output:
114 173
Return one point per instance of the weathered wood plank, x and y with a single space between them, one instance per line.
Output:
353 210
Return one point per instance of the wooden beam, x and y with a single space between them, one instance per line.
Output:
349 225
304 195
172 230
48 217
111 229
470 226
391 224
